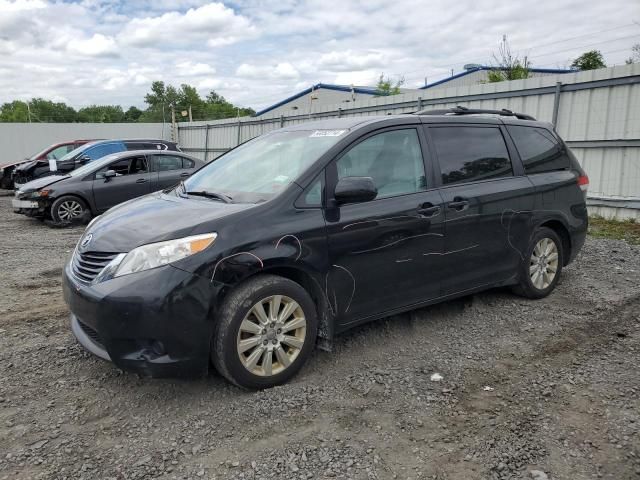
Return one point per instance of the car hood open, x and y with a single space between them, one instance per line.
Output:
41 182
154 218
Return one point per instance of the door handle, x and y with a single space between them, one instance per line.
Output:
141 180
428 210
185 174
459 204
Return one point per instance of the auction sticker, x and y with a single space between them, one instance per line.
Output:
327 133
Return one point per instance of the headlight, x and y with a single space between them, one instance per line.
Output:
155 255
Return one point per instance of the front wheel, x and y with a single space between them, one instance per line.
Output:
265 332
69 209
541 267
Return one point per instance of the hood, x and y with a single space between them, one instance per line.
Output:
157 217
41 182
11 164
29 164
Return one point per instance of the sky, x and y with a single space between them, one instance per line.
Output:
257 52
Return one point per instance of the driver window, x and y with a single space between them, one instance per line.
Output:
126 166
392 159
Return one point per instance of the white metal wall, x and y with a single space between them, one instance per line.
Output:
598 115
22 140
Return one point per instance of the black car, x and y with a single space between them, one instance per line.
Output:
99 185
82 155
307 231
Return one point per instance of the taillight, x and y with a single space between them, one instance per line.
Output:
583 183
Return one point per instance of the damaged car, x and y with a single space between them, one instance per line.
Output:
39 160
82 155
94 188
305 232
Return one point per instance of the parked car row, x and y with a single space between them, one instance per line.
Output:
38 161
96 176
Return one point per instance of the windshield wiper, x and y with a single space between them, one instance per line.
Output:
212 195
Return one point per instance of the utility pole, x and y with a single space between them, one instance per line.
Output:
28 112
190 116
173 123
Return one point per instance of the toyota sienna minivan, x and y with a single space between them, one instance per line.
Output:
307 231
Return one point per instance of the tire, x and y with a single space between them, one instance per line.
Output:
250 368
68 208
544 255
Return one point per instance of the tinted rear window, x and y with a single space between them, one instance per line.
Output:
468 154
539 149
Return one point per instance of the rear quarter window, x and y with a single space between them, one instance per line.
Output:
539 149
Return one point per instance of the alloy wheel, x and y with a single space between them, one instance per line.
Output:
271 335
69 209
543 264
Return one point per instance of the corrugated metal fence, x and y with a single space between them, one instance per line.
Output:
597 112
22 140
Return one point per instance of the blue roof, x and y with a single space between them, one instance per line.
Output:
326 86
482 67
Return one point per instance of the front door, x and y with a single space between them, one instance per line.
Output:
487 208
384 253
132 180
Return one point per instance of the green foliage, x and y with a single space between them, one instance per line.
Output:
386 87
509 65
589 61
627 230
101 114
159 102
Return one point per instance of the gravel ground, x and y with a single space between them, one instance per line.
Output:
543 389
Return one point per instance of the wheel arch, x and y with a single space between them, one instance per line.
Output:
74 195
563 232
306 280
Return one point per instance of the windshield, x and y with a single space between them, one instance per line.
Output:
93 166
74 152
39 154
258 170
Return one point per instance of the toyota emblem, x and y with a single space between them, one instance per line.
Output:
86 241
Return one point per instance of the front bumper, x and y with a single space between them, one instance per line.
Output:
156 323
24 204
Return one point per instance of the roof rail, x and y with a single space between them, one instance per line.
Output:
475 111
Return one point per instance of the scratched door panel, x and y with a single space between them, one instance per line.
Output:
384 254
485 240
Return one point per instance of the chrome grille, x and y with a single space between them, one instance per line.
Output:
87 265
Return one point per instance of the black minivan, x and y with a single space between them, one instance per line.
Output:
307 231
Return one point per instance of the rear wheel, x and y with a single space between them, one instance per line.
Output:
265 332
69 209
540 269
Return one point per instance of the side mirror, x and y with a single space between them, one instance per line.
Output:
355 189
84 159
108 175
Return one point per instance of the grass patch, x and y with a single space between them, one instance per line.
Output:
627 230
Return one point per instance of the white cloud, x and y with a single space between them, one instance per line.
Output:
213 25
194 69
282 70
20 5
97 46
348 60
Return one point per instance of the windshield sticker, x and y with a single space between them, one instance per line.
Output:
327 133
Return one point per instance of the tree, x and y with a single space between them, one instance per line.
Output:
386 87
635 55
101 114
15 111
159 100
508 65
132 115
589 61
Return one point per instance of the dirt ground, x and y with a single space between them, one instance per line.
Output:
546 389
